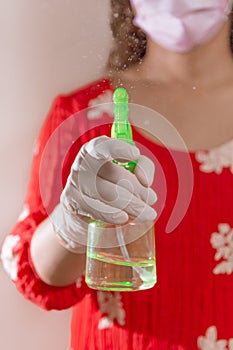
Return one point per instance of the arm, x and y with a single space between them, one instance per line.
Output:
19 261
54 264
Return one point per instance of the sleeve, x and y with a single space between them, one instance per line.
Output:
15 252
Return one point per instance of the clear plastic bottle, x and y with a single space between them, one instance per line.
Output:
121 257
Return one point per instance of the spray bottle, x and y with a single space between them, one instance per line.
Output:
121 257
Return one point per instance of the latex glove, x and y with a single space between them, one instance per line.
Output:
99 189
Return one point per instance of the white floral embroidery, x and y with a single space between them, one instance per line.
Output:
222 241
10 260
230 344
216 159
110 303
104 323
24 213
210 341
79 282
101 104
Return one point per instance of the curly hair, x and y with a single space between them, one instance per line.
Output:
129 41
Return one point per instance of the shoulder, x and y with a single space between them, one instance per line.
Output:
83 96
65 105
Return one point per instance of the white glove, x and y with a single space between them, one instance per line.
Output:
99 189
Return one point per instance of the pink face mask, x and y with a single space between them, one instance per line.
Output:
180 25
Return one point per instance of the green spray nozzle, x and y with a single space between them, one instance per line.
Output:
121 128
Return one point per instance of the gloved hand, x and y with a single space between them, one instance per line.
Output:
99 189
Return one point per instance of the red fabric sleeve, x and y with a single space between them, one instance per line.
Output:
50 169
26 279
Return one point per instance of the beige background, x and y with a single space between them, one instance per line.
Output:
47 47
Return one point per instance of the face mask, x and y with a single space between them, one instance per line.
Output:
180 25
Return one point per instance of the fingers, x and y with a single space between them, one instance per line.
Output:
104 147
80 204
117 174
94 154
108 199
115 196
144 171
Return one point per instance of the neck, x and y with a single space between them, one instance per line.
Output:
205 65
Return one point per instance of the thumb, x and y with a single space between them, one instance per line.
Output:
104 147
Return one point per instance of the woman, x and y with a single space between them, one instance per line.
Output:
178 63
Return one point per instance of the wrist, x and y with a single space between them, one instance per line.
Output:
70 245
70 232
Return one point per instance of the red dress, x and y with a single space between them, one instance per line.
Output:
191 305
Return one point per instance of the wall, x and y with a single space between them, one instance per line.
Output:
47 47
